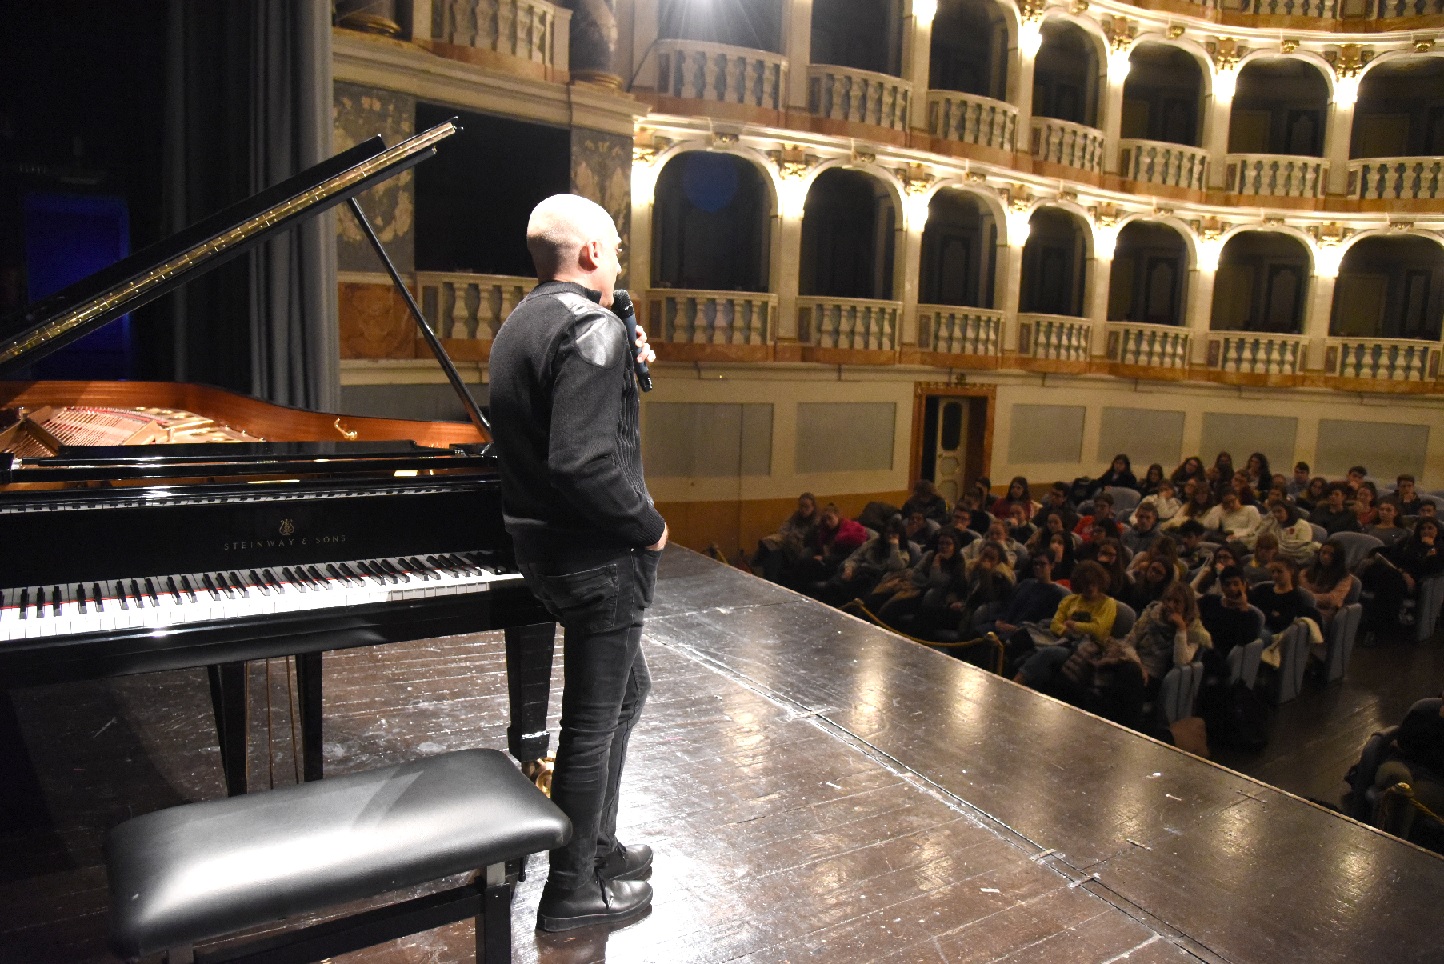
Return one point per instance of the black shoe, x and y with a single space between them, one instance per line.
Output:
626 863
599 902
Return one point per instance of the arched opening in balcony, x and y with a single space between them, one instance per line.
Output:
1262 284
1279 107
1054 256
711 224
1390 287
1148 282
1066 74
959 251
1163 95
752 24
861 34
1400 110
849 229
970 49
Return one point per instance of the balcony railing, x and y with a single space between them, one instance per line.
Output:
861 96
721 74
952 330
969 119
1159 162
1066 143
1256 353
1396 178
1384 359
469 306
1322 9
1392 9
1154 346
529 29
851 323
1276 175
1054 337
711 317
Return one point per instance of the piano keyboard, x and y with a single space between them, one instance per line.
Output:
34 612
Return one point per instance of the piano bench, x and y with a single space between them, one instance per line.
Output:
198 872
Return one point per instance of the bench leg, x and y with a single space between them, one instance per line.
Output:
228 701
308 685
493 924
529 651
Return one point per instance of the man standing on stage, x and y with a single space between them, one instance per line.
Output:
564 406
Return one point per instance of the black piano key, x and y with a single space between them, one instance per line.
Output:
346 568
98 596
240 584
292 578
260 583
80 598
393 570
187 588
210 585
24 603
422 568
170 585
136 595
56 599
150 591
317 575
336 574
375 572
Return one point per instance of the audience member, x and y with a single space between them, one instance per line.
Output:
1365 509
1144 531
1209 581
1102 510
1229 618
1265 551
1404 497
1020 528
782 550
1196 509
1164 501
1316 494
1033 600
1189 468
1168 633
1293 536
1193 551
1058 499
1394 573
1355 478
888 551
1151 480
1300 482
898 602
1149 584
919 529
925 499
997 534
1256 471
1086 612
988 581
1229 521
1243 489
1387 529
968 515
1018 491
1281 601
1119 473
1327 580
1334 515
835 538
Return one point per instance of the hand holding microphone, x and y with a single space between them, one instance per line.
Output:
622 306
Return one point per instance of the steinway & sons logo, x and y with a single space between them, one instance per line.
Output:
286 537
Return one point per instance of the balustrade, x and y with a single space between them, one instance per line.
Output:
1394 9
861 96
469 306
721 74
1384 359
1256 353
1153 346
850 323
969 119
1066 143
952 330
688 317
527 29
1396 178
1321 9
1159 162
1276 175
1054 337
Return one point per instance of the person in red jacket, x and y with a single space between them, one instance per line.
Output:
833 541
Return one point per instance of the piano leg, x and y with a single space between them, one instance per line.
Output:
228 700
529 652
308 686
22 804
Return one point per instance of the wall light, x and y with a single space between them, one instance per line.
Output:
1030 38
1225 81
1346 91
1120 62
1209 251
792 196
1328 256
924 11
1019 226
1105 240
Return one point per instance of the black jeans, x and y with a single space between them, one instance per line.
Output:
606 683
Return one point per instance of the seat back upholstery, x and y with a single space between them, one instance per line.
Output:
1123 622
1339 640
1357 546
1125 500
1178 695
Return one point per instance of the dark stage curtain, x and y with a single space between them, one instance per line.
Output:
249 100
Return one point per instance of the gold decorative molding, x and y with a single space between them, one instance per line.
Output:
1225 52
1120 32
647 147
864 157
1031 11
1331 233
724 139
1348 59
1176 30
915 179
1211 229
1106 215
1288 45
1423 43
792 161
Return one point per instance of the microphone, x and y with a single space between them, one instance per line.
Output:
622 306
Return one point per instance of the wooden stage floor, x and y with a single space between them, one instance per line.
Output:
816 789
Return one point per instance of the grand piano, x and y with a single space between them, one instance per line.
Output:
161 526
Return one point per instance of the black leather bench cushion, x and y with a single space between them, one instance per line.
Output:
194 872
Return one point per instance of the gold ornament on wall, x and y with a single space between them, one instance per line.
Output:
1225 52
915 179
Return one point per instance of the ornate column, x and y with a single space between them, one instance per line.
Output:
917 59
797 45
917 195
1328 254
594 42
794 179
1340 126
1120 32
1020 79
1199 316
1215 126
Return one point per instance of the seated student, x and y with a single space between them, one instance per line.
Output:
1119 473
1049 522
1189 468
896 602
1427 510
1020 526
1334 515
835 538
1086 612
1097 532
1151 480
888 551
1354 479
1314 495
1416 757
780 551
1061 548
998 535
1300 482
1033 600
1293 537
1058 499
1257 473
1366 510
1241 487
1405 498
968 515
1228 616
1108 553
925 499
1327 580
1144 531
1195 509
1164 501
1193 551
988 582
1265 551
919 529
1281 601
1149 582
1102 511
1208 581
1393 573
1387 530
1231 521
1168 633
1018 491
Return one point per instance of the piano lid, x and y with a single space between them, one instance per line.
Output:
49 324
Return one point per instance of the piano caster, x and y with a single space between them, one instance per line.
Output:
539 772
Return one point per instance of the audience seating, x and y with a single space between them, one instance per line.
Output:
1243 662
1178 694
199 872
1125 500
1357 546
1339 638
1293 660
1321 535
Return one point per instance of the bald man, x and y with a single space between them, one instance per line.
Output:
564 407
